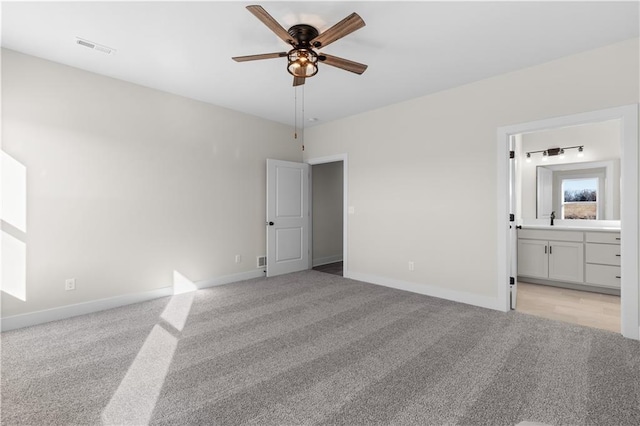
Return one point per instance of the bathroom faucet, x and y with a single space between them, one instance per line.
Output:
553 216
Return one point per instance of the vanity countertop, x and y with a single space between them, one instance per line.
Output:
574 228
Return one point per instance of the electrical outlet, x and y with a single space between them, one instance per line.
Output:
70 284
238 258
411 266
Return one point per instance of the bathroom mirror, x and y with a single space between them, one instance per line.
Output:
587 173
579 191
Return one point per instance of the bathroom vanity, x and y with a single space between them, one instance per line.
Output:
572 257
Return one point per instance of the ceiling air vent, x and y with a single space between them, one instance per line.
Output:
95 46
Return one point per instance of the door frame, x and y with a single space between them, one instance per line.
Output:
345 209
629 163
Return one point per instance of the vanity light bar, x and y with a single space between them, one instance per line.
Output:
555 151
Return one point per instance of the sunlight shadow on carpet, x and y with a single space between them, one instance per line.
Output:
136 397
177 310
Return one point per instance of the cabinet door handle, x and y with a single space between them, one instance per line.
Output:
617 255
618 238
617 276
545 249
550 250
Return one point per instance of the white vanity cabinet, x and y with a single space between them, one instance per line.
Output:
533 258
552 255
570 256
603 259
566 261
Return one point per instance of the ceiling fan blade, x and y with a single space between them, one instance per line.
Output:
270 22
261 56
348 25
298 81
345 64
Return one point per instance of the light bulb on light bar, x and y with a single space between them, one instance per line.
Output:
528 157
580 152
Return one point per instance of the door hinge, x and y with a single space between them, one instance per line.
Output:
512 217
512 281
512 154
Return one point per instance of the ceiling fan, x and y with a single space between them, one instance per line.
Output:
302 58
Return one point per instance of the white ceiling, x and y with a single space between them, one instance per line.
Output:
412 48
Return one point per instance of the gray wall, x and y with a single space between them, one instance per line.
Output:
422 173
126 184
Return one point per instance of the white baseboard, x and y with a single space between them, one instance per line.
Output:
68 311
430 290
54 314
326 260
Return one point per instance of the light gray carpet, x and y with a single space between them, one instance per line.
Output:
314 348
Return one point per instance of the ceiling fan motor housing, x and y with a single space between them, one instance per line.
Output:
302 34
302 59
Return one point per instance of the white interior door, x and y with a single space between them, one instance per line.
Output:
287 217
513 234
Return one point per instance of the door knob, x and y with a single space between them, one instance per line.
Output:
270 223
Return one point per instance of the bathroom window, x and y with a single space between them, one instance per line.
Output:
580 198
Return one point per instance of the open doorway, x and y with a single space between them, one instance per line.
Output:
569 176
581 254
327 200
579 185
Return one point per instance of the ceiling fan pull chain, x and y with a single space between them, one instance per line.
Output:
295 112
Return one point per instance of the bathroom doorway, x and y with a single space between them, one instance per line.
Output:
572 271
569 177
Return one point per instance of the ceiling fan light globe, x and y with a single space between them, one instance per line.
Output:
302 70
302 63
